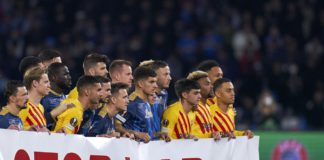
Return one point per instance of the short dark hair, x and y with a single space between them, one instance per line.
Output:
156 64
85 81
207 65
12 88
116 64
92 59
218 83
185 85
118 86
28 62
102 79
141 73
48 54
53 69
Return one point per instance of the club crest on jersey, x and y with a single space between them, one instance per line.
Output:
165 123
73 122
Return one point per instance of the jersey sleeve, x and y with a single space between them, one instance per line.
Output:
169 121
70 120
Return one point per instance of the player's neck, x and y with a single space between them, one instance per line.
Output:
203 100
84 101
222 106
141 94
34 97
13 109
112 110
56 89
187 107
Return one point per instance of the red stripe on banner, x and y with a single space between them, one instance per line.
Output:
221 116
220 125
34 117
200 125
184 121
39 113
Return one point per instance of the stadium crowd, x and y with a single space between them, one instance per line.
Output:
271 50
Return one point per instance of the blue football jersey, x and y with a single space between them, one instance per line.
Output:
158 108
139 116
102 123
7 119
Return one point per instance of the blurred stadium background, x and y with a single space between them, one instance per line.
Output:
272 49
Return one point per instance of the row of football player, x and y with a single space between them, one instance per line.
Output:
100 106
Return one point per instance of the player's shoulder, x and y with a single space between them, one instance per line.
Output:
4 111
103 111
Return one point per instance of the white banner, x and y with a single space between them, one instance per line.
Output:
23 145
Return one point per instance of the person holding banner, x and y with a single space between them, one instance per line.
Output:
178 118
38 85
17 97
89 90
104 122
223 121
202 126
139 117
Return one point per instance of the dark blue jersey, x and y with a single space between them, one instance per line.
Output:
158 108
102 123
7 119
139 116
49 102
52 100
88 117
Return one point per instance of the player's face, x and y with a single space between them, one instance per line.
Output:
151 98
149 85
43 85
163 77
206 87
193 97
64 78
95 95
125 75
122 100
226 93
101 69
106 92
21 97
215 73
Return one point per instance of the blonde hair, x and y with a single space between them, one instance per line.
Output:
34 73
196 75
146 62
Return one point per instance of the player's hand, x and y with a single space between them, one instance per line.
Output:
231 135
129 135
40 129
62 130
14 127
217 136
249 133
190 136
142 136
164 136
